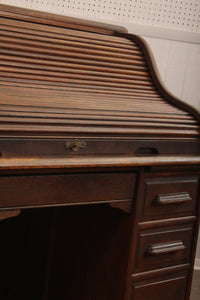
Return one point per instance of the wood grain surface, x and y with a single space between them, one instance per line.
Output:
103 79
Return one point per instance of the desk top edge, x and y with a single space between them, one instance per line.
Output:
20 163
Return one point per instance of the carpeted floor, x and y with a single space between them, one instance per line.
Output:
195 294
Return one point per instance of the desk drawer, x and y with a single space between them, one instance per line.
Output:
163 248
162 288
169 196
42 190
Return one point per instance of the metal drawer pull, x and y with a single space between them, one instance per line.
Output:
177 198
75 145
165 248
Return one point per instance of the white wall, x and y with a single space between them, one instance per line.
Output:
179 66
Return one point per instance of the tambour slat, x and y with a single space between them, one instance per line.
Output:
70 78
88 96
104 106
11 62
72 67
134 89
69 40
102 113
20 109
16 45
88 122
69 32
62 72
88 93
28 97
71 60
45 85
62 130
135 108
68 46
82 116
99 89
94 42
65 101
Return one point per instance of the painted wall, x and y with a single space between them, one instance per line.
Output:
179 66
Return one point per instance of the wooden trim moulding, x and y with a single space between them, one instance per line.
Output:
17 163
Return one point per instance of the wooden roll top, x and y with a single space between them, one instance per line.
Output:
62 78
85 121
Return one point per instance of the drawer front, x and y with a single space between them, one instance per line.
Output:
93 146
164 247
162 288
39 190
169 196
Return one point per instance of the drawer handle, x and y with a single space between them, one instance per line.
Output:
75 145
178 198
165 248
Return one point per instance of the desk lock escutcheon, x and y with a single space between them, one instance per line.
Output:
75 145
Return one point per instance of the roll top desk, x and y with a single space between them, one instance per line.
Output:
99 165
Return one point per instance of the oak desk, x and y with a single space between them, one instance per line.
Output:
99 165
